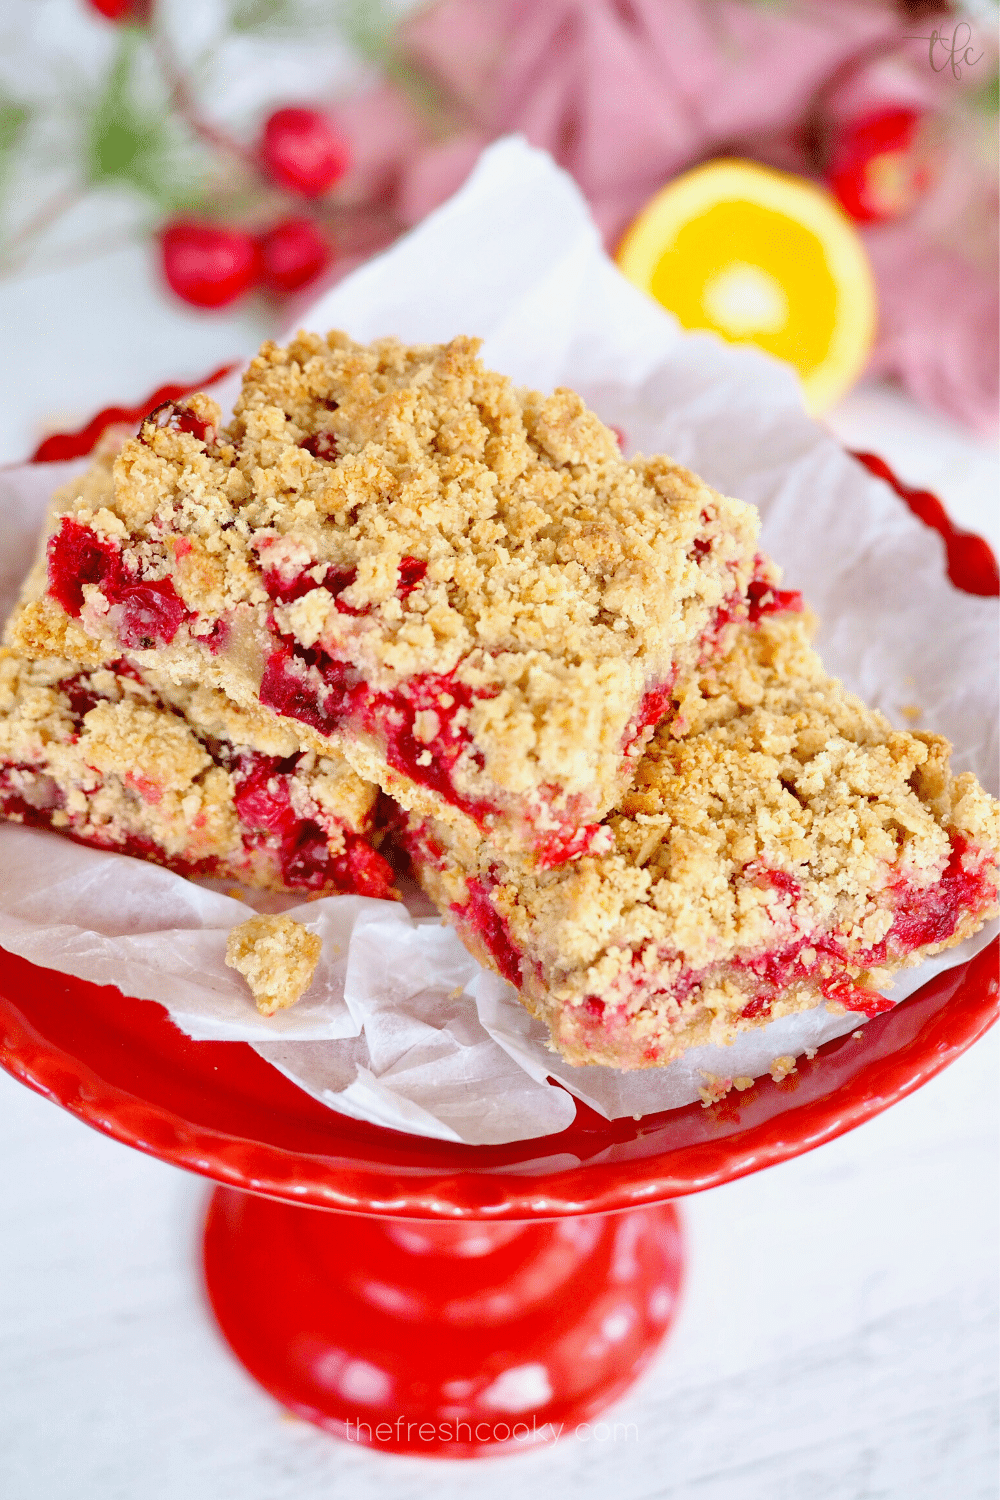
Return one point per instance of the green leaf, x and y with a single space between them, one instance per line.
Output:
14 118
261 15
368 27
295 20
132 143
987 98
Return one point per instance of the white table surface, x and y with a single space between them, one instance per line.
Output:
838 1335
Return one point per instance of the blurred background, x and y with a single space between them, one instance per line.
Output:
177 179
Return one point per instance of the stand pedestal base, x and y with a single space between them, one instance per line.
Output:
445 1339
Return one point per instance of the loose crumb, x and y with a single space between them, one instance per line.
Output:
277 957
857 1035
782 1066
742 1084
911 711
811 1052
715 1088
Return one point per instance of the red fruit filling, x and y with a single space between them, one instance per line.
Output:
177 417
262 794
304 684
760 599
653 706
763 599
151 613
283 586
320 445
967 887
30 797
412 570
482 916
283 589
558 846
81 695
327 695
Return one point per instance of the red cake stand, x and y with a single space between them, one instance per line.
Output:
421 1296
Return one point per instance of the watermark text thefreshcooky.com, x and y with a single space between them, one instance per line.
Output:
405 1431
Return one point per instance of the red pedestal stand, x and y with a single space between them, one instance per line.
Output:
444 1339
465 1299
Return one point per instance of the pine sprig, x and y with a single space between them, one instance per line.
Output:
131 143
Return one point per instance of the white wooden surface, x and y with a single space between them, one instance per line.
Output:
838 1336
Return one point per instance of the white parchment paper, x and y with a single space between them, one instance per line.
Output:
400 1026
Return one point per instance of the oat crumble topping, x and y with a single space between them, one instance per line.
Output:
461 584
277 957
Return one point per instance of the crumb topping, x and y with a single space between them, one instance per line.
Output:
277 957
399 512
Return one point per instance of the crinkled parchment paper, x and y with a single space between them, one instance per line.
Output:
400 1026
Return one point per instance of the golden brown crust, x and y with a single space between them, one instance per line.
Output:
277 957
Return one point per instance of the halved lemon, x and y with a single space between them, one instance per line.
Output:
762 258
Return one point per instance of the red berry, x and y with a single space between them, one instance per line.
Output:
123 10
302 151
877 169
208 265
292 253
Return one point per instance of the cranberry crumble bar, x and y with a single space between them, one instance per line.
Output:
277 957
460 585
782 845
130 761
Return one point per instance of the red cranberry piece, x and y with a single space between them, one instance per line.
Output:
81 695
321 445
653 706
177 417
303 152
77 555
487 921
151 612
412 570
151 615
306 863
287 689
136 11
877 170
207 264
363 870
335 580
855 998
762 600
262 797
757 1009
292 253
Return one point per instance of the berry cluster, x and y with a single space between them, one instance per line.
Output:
300 153
210 264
